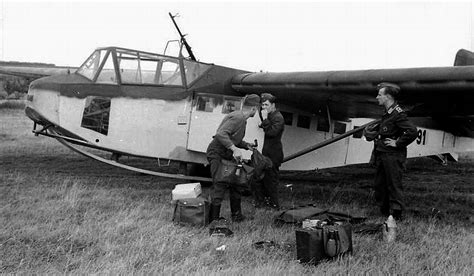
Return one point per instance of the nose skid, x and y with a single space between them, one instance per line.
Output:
35 116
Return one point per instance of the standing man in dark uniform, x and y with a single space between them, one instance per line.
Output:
227 144
392 136
273 125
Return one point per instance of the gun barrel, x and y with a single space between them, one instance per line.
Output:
188 48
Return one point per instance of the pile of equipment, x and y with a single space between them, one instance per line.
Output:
321 234
190 208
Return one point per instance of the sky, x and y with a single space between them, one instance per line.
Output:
275 36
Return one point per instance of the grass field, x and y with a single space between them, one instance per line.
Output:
63 213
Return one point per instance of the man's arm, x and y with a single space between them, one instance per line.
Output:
225 131
273 127
244 145
409 131
371 132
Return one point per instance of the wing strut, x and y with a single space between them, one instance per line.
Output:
64 140
327 142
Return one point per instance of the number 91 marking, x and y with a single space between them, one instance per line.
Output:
421 138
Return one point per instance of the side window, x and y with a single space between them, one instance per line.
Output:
171 73
303 121
194 70
323 124
92 64
107 75
339 128
288 117
96 114
230 105
144 68
148 70
130 71
206 104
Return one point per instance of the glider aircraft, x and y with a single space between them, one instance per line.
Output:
134 103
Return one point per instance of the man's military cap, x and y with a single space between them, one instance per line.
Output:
252 100
268 97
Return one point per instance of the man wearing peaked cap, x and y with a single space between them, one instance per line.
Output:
227 144
391 138
394 89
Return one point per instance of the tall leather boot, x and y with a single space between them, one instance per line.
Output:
214 212
236 210
258 195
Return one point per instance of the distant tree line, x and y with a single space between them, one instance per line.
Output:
13 84
26 64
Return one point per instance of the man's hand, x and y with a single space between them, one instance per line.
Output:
370 132
390 142
251 146
264 113
236 153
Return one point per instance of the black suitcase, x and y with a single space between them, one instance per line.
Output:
191 211
321 243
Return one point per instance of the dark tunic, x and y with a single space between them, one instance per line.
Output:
230 132
395 125
273 127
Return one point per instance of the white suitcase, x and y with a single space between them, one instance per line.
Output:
189 190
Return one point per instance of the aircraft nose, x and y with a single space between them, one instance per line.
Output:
43 102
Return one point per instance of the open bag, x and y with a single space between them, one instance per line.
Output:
233 172
319 243
297 215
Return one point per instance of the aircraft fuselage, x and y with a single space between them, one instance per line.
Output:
156 106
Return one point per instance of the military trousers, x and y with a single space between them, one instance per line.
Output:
388 180
219 188
267 187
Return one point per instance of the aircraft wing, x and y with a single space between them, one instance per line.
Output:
443 93
34 72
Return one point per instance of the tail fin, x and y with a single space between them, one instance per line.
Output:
464 58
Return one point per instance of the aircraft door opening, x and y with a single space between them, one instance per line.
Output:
207 112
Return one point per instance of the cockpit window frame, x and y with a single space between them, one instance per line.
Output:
151 56
117 75
101 65
112 52
208 68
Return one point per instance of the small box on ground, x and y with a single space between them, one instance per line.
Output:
189 190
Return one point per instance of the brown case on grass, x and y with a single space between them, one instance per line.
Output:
191 211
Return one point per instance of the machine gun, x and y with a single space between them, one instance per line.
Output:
183 40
